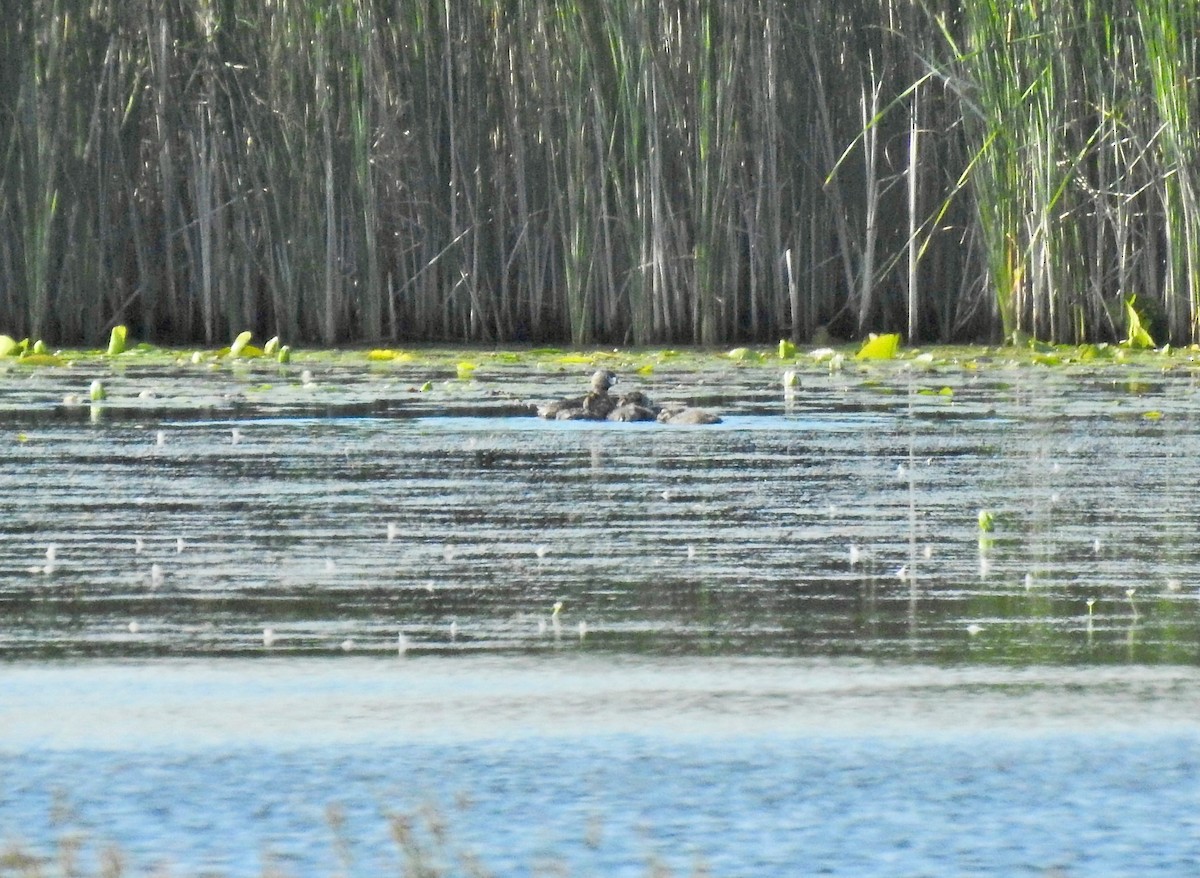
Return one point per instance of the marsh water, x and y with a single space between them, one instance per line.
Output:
312 618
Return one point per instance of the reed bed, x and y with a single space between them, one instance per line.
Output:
633 172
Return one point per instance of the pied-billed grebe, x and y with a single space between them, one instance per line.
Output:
596 405
677 414
634 406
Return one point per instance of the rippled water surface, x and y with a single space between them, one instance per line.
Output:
243 608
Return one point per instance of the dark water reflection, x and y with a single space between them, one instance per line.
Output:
840 521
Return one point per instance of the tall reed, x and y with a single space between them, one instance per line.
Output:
632 171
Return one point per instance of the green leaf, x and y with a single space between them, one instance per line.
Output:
116 341
284 355
42 360
8 346
879 347
744 355
239 343
787 350
987 521
271 348
1137 336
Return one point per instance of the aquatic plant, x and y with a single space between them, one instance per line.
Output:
879 347
423 837
1136 335
241 346
116 340
744 355
629 172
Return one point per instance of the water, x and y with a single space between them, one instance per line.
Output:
781 643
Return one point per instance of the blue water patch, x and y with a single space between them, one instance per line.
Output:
849 422
843 422
1085 804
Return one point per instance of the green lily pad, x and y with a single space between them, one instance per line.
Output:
240 344
879 347
116 340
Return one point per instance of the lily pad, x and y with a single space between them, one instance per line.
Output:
744 355
879 347
42 359
237 349
116 340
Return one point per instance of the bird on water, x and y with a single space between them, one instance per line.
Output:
599 405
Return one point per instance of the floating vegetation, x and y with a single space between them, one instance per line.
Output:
879 347
241 347
745 355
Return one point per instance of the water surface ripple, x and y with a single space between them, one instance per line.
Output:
840 521
250 618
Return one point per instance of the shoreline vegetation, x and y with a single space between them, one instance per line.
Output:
464 360
630 173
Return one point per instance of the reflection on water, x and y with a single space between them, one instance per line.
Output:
778 640
841 523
